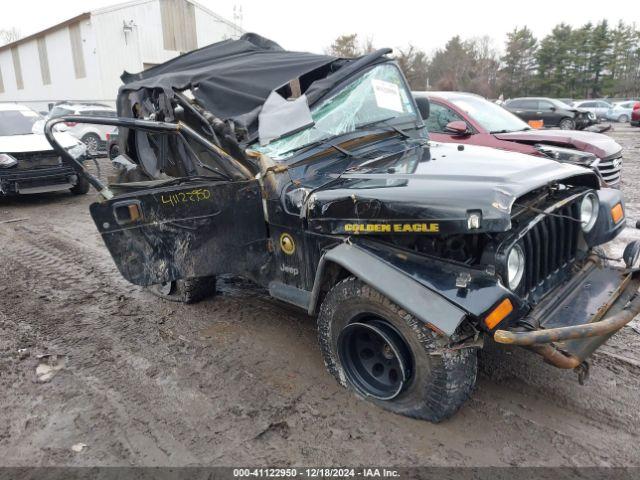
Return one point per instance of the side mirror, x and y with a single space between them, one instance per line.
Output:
553 109
457 128
423 107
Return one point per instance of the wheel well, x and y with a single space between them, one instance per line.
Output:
331 275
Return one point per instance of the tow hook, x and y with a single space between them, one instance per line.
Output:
583 373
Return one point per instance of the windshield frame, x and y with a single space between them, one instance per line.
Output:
414 118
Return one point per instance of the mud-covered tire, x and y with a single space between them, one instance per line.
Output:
191 290
567 124
441 379
81 187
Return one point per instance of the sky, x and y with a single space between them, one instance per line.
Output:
312 26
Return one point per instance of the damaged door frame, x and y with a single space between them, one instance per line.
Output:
234 168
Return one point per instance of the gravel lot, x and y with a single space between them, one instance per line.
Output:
238 379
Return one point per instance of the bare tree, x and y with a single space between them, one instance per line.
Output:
414 63
9 35
345 46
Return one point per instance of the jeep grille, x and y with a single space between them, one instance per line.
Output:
550 245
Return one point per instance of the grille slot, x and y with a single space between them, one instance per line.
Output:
32 160
549 246
611 169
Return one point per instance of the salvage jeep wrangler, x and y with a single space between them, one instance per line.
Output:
314 176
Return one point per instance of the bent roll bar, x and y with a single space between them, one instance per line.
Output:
233 168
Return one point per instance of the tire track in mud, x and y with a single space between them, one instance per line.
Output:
60 275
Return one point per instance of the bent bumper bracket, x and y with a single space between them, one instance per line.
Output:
596 329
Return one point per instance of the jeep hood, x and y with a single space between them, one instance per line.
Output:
600 145
435 187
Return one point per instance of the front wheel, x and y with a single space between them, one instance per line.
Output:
623 119
567 124
81 187
389 357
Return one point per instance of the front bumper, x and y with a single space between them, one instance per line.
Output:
582 315
37 180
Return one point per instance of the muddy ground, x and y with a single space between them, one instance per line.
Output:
238 379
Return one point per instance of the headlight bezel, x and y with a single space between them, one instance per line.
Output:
516 251
7 161
567 155
592 198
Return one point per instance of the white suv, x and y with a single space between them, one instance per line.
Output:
93 136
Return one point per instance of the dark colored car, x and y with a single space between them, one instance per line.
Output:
635 115
314 177
469 119
552 112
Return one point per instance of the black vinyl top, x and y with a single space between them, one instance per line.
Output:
233 78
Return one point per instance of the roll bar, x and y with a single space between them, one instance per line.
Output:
233 168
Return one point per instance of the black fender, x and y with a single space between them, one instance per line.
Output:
399 287
424 286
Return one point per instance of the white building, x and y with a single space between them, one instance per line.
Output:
82 58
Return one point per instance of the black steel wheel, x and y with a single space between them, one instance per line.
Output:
375 357
389 357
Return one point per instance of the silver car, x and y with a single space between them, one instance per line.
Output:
597 107
621 111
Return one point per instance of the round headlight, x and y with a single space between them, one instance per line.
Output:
515 267
589 212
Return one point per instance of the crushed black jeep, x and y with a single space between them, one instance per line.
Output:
314 177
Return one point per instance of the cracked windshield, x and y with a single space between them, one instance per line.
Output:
378 95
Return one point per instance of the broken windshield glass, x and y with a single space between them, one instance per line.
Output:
379 94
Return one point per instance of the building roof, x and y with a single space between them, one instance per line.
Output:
53 28
87 15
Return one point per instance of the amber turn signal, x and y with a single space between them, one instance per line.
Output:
617 213
504 308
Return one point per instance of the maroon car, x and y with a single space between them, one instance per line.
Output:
465 118
635 115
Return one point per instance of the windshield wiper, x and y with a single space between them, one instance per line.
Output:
306 146
384 121
510 131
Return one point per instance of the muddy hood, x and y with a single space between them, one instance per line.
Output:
434 189
600 145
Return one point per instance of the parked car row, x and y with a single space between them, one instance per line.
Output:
467 118
570 114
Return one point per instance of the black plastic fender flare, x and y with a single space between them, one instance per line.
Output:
421 302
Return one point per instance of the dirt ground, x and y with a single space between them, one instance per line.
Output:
238 379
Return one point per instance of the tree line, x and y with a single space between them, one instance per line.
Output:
591 61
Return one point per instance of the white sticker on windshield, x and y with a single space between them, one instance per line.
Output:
387 95
29 113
